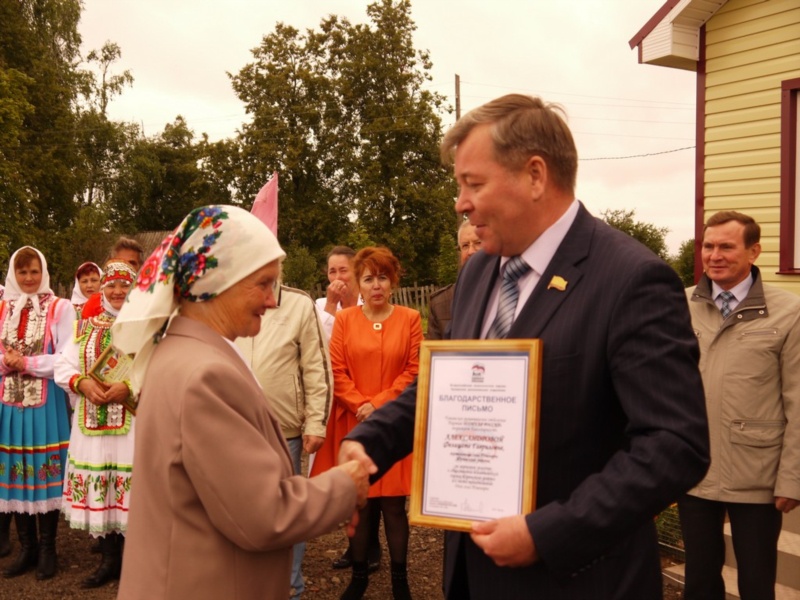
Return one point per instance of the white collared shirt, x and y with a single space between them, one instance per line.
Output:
538 255
739 291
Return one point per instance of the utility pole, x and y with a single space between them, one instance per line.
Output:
458 97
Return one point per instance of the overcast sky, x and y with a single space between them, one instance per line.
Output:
633 124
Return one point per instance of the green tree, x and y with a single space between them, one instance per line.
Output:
160 181
219 164
358 238
447 262
648 234
39 163
14 107
404 194
300 269
342 114
683 262
294 130
102 141
91 235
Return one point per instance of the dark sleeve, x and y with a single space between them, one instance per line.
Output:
434 326
388 434
652 358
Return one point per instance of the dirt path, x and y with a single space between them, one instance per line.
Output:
323 583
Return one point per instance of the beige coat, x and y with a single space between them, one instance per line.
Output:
750 364
215 508
290 359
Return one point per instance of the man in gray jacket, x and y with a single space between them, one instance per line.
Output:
290 361
749 336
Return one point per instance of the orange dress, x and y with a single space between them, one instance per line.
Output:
370 365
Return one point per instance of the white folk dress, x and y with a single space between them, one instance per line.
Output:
97 487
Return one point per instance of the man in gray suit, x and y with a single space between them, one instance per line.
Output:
439 305
623 430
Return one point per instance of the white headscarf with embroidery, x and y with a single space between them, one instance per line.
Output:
77 295
212 249
115 270
14 292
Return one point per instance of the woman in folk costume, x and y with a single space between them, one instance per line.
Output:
374 356
35 327
87 283
100 460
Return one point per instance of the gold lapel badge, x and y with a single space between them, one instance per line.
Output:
558 283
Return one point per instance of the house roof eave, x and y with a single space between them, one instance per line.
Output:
671 36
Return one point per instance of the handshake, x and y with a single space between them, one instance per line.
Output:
354 461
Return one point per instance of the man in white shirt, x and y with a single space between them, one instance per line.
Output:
343 288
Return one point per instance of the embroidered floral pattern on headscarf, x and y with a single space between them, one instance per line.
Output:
191 264
213 248
117 270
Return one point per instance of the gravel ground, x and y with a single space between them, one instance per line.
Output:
323 583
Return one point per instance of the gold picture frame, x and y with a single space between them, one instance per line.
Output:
476 432
113 367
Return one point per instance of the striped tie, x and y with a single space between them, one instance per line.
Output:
726 307
509 295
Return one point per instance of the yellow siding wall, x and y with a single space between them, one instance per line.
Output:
751 46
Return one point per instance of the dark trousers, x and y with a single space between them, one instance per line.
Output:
754 532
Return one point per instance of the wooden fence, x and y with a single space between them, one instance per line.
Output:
416 296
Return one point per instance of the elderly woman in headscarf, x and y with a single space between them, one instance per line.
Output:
220 508
87 283
100 459
35 327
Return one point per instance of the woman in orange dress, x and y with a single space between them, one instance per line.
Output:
374 355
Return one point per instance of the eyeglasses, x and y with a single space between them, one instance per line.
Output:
476 245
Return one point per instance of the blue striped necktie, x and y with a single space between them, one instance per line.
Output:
726 307
509 296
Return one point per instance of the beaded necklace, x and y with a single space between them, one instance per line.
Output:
23 389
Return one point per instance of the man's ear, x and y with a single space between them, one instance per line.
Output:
755 251
536 171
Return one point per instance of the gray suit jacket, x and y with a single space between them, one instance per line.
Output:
623 429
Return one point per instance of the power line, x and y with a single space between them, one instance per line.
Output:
686 104
639 155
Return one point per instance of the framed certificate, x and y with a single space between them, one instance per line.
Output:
112 367
476 432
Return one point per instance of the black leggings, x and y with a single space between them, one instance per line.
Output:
395 523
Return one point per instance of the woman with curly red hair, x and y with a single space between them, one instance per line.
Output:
374 355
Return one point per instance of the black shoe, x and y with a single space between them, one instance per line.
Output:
47 564
29 546
345 561
373 564
26 560
5 541
358 583
110 565
400 589
107 571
